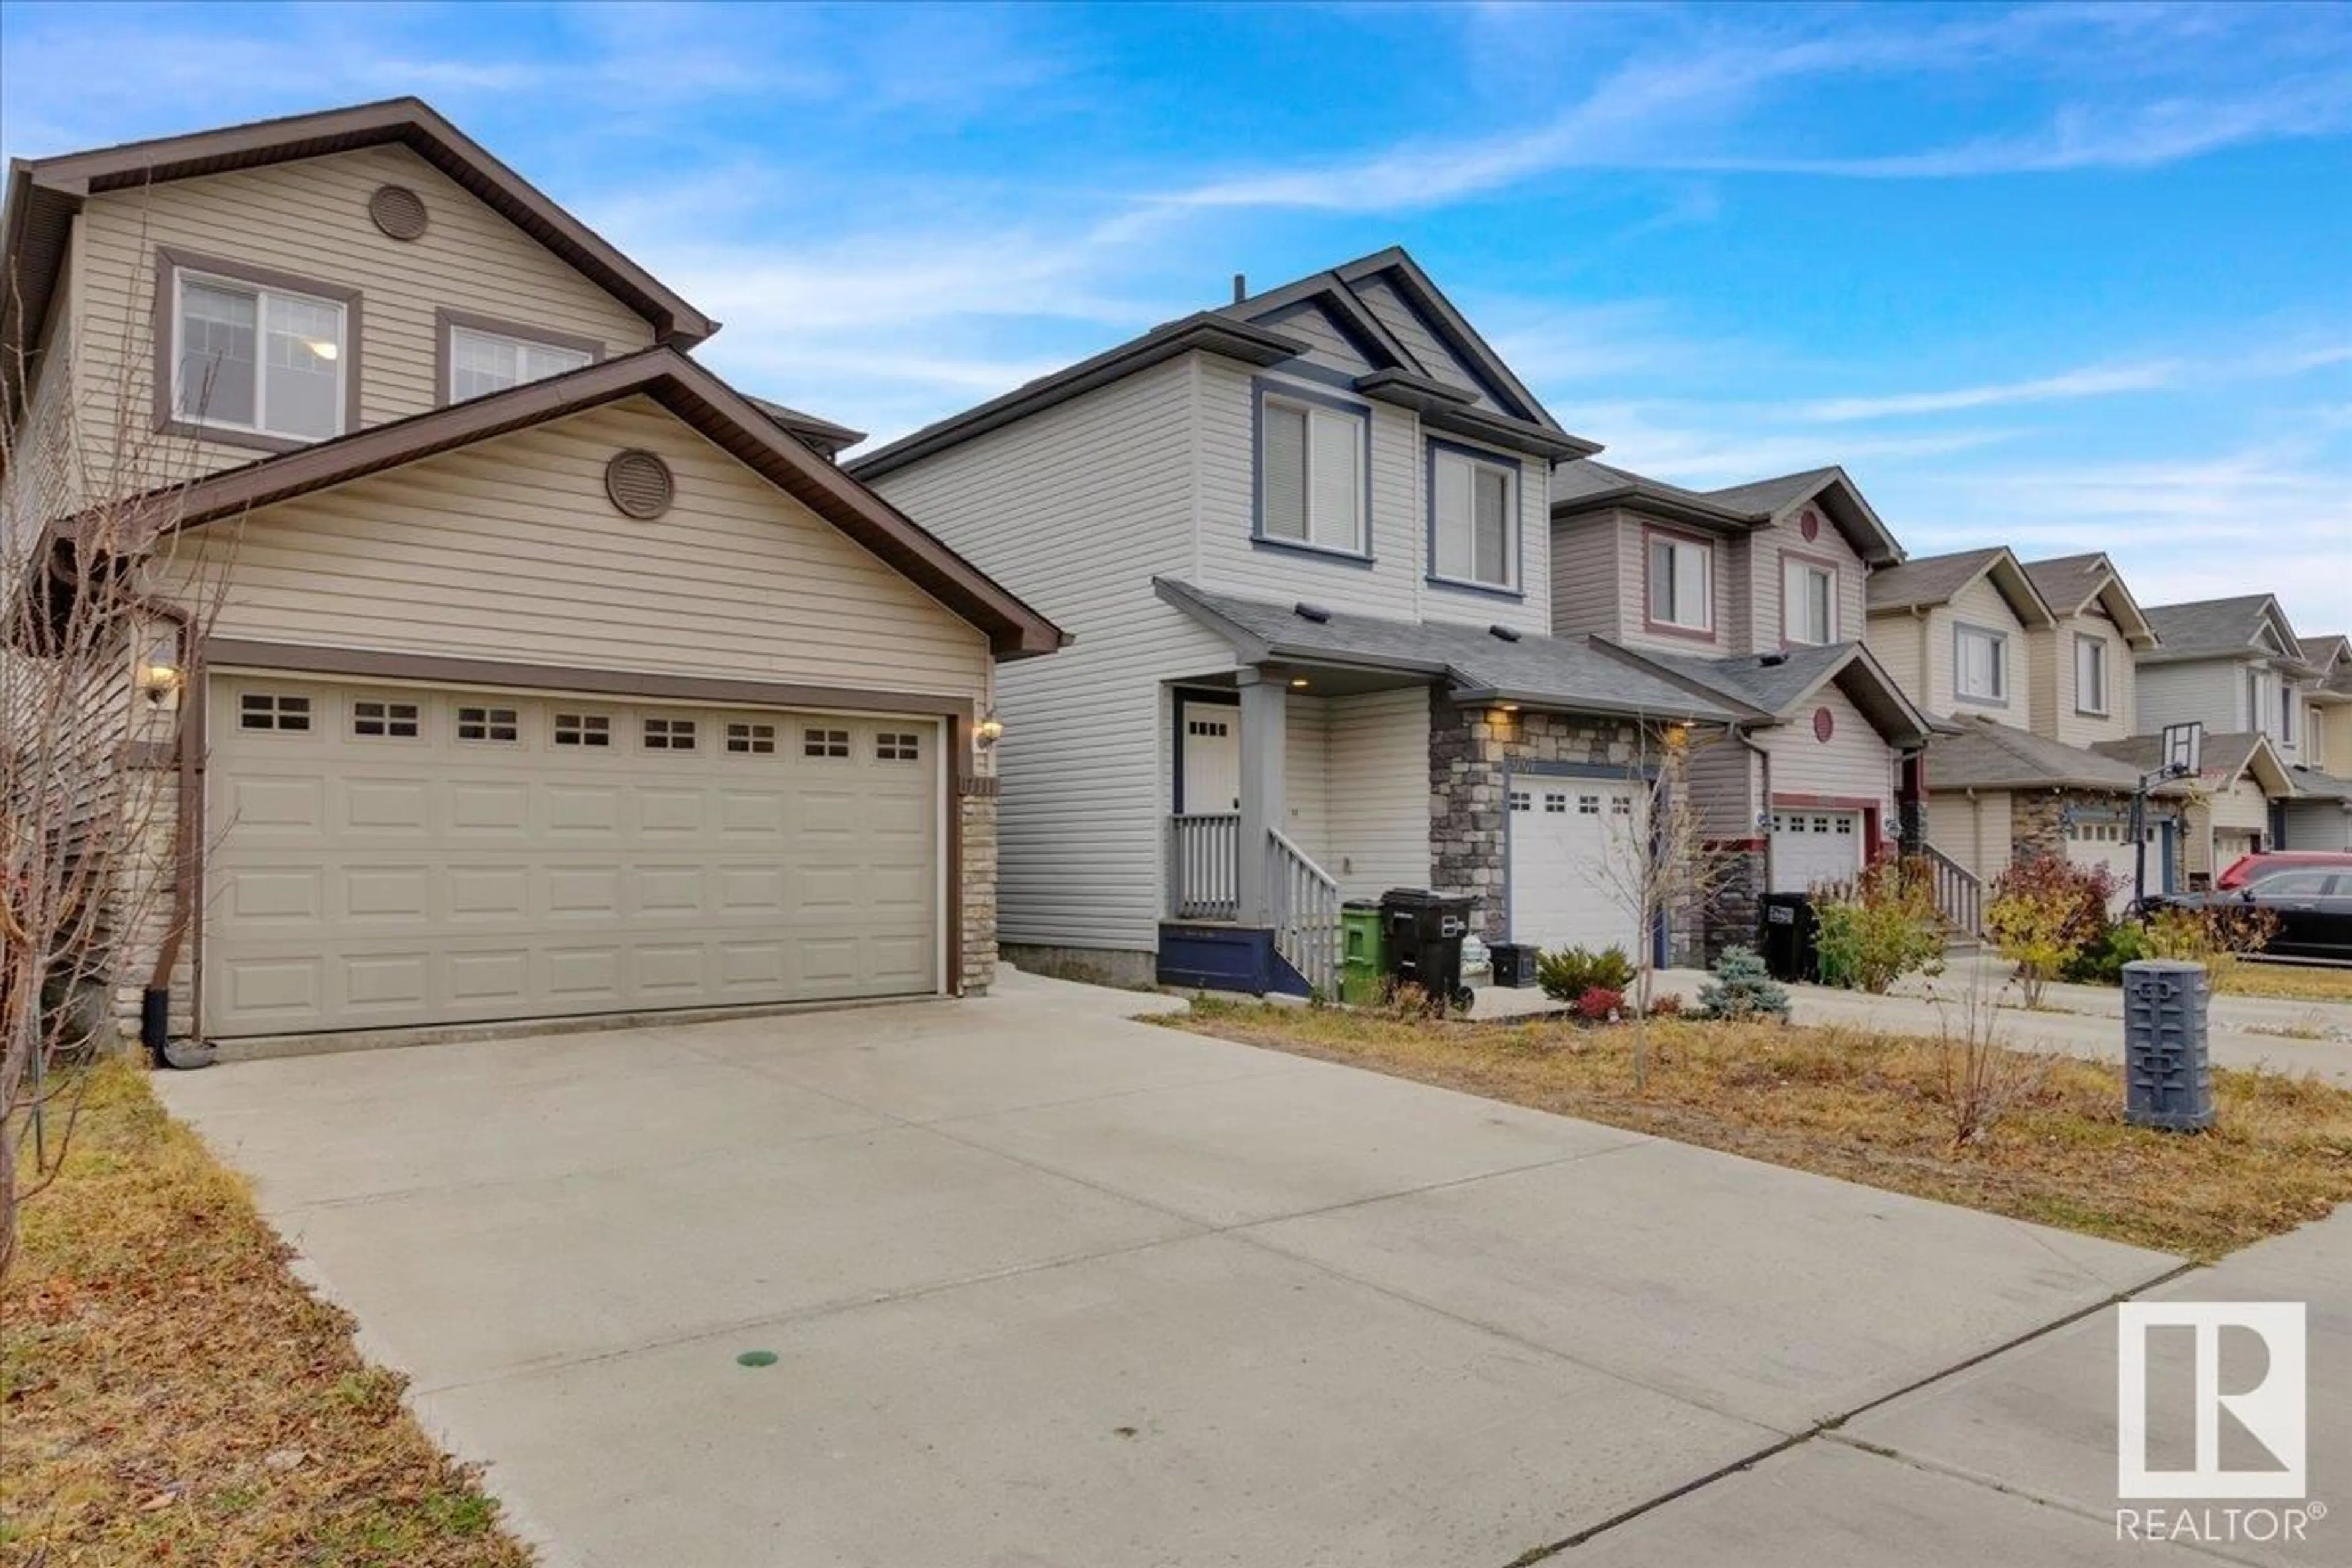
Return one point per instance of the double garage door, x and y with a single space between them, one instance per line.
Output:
1810 847
385 857
1572 844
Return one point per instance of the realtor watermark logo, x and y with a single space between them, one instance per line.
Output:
2266 1420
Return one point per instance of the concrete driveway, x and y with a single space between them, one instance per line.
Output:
1048 1286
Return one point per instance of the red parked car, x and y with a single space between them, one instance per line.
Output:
2261 864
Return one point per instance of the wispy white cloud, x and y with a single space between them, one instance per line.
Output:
2091 382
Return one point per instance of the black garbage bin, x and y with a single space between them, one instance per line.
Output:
1515 962
1787 937
1424 930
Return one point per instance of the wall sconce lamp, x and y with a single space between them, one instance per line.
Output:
987 729
160 674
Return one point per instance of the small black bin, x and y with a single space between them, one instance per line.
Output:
1515 963
1788 936
1424 930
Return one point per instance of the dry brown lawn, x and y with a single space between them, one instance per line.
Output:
168 1394
1873 1108
2296 982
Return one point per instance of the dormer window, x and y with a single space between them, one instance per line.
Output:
1681 591
481 356
1312 485
1474 519
257 358
1808 602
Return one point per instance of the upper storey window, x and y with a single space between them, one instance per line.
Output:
1311 480
1474 519
1681 596
1981 665
257 356
1808 602
2090 674
483 359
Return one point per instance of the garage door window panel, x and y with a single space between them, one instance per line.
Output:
273 711
824 743
898 746
489 726
583 729
386 721
668 734
751 739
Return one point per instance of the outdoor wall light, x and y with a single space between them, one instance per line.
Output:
160 675
1298 683
989 730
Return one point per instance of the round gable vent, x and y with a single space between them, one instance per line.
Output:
1810 525
398 211
639 485
1824 724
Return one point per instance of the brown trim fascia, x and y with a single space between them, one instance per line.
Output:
170 261
311 659
1821 803
445 319
1713 635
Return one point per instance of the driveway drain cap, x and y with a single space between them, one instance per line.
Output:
756 1358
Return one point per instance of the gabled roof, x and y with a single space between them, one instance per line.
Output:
822 436
2239 627
2225 758
718 412
1584 486
1252 330
44 194
2330 653
1778 686
2320 785
2070 585
1978 753
1566 673
1939 579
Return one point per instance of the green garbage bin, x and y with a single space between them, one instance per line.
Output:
1363 954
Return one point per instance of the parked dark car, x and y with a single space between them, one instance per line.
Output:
2312 903
2249 869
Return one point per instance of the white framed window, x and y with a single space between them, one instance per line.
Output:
483 362
824 743
1808 602
1680 587
501 726
1980 665
898 746
1312 488
583 729
257 358
1474 520
386 721
752 739
668 735
273 711
2090 674
2289 700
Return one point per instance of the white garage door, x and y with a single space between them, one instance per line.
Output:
1810 847
387 857
1565 836
2109 843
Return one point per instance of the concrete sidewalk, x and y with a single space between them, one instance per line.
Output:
2014 1460
1048 1286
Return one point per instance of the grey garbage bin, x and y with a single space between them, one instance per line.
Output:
2167 1074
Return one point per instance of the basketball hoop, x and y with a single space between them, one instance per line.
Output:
2182 753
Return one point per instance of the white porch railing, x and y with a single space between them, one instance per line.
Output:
1959 896
1306 915
1204 865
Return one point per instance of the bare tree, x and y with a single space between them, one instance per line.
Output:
1658 864
103 616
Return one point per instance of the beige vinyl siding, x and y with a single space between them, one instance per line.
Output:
1587 570
1980 604
1854 762
1330 347
45 470
1406 326
1893 640
1377 786
1077 509
1306 816
1973 829
2209 691
2318 824
508 550
1759 580
309 218
2054 691
1723 775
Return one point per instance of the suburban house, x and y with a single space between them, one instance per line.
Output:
1302 541
504 662
2026 667
1753 596
2235 666
2319 816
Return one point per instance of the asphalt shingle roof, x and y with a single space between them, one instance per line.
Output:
2209 626
1988 755
1558 672
1928 579
1765 496
1767 688
2067 581
2225 755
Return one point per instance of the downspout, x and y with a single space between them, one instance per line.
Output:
1764 816
155 1003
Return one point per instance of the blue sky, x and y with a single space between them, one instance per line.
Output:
2063 278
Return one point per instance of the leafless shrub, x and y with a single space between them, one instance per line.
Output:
1980 1077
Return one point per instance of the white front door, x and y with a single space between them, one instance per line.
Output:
1810 847
1212 757
1574 845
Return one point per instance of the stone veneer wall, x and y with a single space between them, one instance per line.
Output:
1730 918
979 871
1470 748
2037 818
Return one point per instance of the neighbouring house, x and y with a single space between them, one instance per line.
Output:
2026 668
2235 666
550 676
1301 540
2319 816
1753 596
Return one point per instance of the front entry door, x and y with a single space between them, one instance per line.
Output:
1210 758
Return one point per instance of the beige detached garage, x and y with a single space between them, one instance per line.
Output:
602 695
